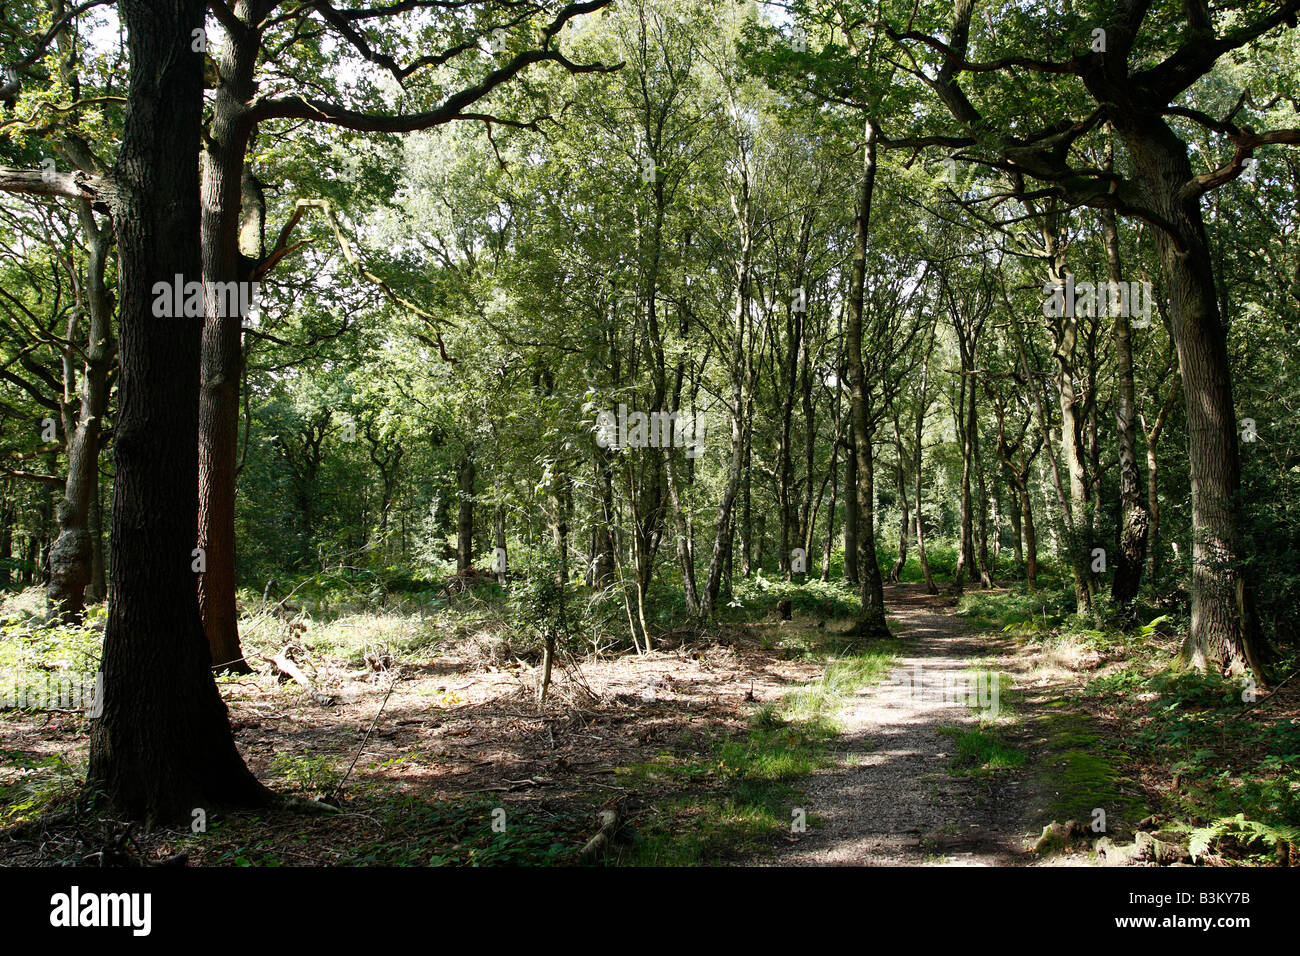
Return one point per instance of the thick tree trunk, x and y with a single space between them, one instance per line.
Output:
1224 629
162 746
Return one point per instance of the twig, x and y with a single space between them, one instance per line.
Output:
339 789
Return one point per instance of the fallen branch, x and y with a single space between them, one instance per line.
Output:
285 665
601 840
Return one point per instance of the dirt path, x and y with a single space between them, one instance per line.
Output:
889 798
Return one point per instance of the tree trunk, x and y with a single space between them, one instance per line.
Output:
222 361
1133 522
97 589
746 516
1153 485
895 573
851 520
73 553
603 565
465 516
1031 536
6 542
1224 629
721 542
965 434
499 543
162 745
922 406
1017 534
986 577
830 511
871 618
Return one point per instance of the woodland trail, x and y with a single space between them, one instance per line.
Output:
889 798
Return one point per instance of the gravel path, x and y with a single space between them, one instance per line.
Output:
889 799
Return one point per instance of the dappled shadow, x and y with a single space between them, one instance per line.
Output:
893 797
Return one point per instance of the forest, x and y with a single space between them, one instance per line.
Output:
626 433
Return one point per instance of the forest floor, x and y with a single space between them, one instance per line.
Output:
768 742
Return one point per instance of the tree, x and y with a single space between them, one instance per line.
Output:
1146 58
163 744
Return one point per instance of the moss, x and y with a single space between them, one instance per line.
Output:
1080 772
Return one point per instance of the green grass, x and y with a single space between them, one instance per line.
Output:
746 789
980 751
842 678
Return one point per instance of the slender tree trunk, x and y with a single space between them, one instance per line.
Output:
747 517
72 556
721 541
871 619
465 515
222 362
162 745
1153 485
986 577
922 406
852 523
1031 537
6 542
895 574
97 589
1017 534
830 512
1133 524
499 542
965 434
604 561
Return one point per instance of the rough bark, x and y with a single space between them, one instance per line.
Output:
221 369
162 745
1224 628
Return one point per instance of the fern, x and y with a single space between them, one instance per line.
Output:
1239 828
